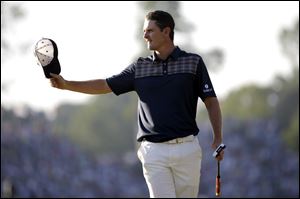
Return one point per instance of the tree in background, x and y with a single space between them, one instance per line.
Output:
289 39
104 125
287 111
278 101
10 14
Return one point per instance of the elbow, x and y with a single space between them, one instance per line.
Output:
211 102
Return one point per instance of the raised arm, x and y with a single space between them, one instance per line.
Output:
97 86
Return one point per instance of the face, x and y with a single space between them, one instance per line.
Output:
154 37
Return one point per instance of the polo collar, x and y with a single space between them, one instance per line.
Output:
173 56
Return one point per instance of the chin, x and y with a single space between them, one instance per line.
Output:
150 47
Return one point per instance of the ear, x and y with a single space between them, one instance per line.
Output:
167 31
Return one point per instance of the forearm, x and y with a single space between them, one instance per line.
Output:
98 86
215 117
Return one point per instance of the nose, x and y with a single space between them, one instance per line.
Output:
145 36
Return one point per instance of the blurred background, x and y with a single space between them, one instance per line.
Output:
58 143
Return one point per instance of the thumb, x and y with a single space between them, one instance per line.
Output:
214 146
54 75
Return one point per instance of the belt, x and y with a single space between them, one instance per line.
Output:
181 140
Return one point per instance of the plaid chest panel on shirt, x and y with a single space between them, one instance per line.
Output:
148 67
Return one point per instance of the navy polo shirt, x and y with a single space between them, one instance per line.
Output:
168 92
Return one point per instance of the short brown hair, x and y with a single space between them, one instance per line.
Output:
162 20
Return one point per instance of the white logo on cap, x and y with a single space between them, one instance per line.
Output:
44 51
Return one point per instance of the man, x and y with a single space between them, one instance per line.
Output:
168 84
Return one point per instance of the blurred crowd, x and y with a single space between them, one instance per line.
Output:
257 163
37 163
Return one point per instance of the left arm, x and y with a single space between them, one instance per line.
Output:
215 117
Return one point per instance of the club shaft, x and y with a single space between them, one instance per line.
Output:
219 168
218 181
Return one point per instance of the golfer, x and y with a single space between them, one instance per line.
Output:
168 84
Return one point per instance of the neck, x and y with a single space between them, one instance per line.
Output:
165 51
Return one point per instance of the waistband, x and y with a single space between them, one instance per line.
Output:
181 140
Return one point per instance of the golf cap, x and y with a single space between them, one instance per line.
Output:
46 53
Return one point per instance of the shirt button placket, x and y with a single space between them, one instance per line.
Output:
165 71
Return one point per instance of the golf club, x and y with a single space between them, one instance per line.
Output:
218 177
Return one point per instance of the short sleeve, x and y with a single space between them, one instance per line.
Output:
123 82
206 88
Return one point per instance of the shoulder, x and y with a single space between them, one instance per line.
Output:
194 58
191 54
138 62
142 60
182 54
188 57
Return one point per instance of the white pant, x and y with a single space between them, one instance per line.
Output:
171 169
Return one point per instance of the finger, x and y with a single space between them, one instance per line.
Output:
220 156
53 83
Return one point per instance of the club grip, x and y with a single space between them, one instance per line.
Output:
218 186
